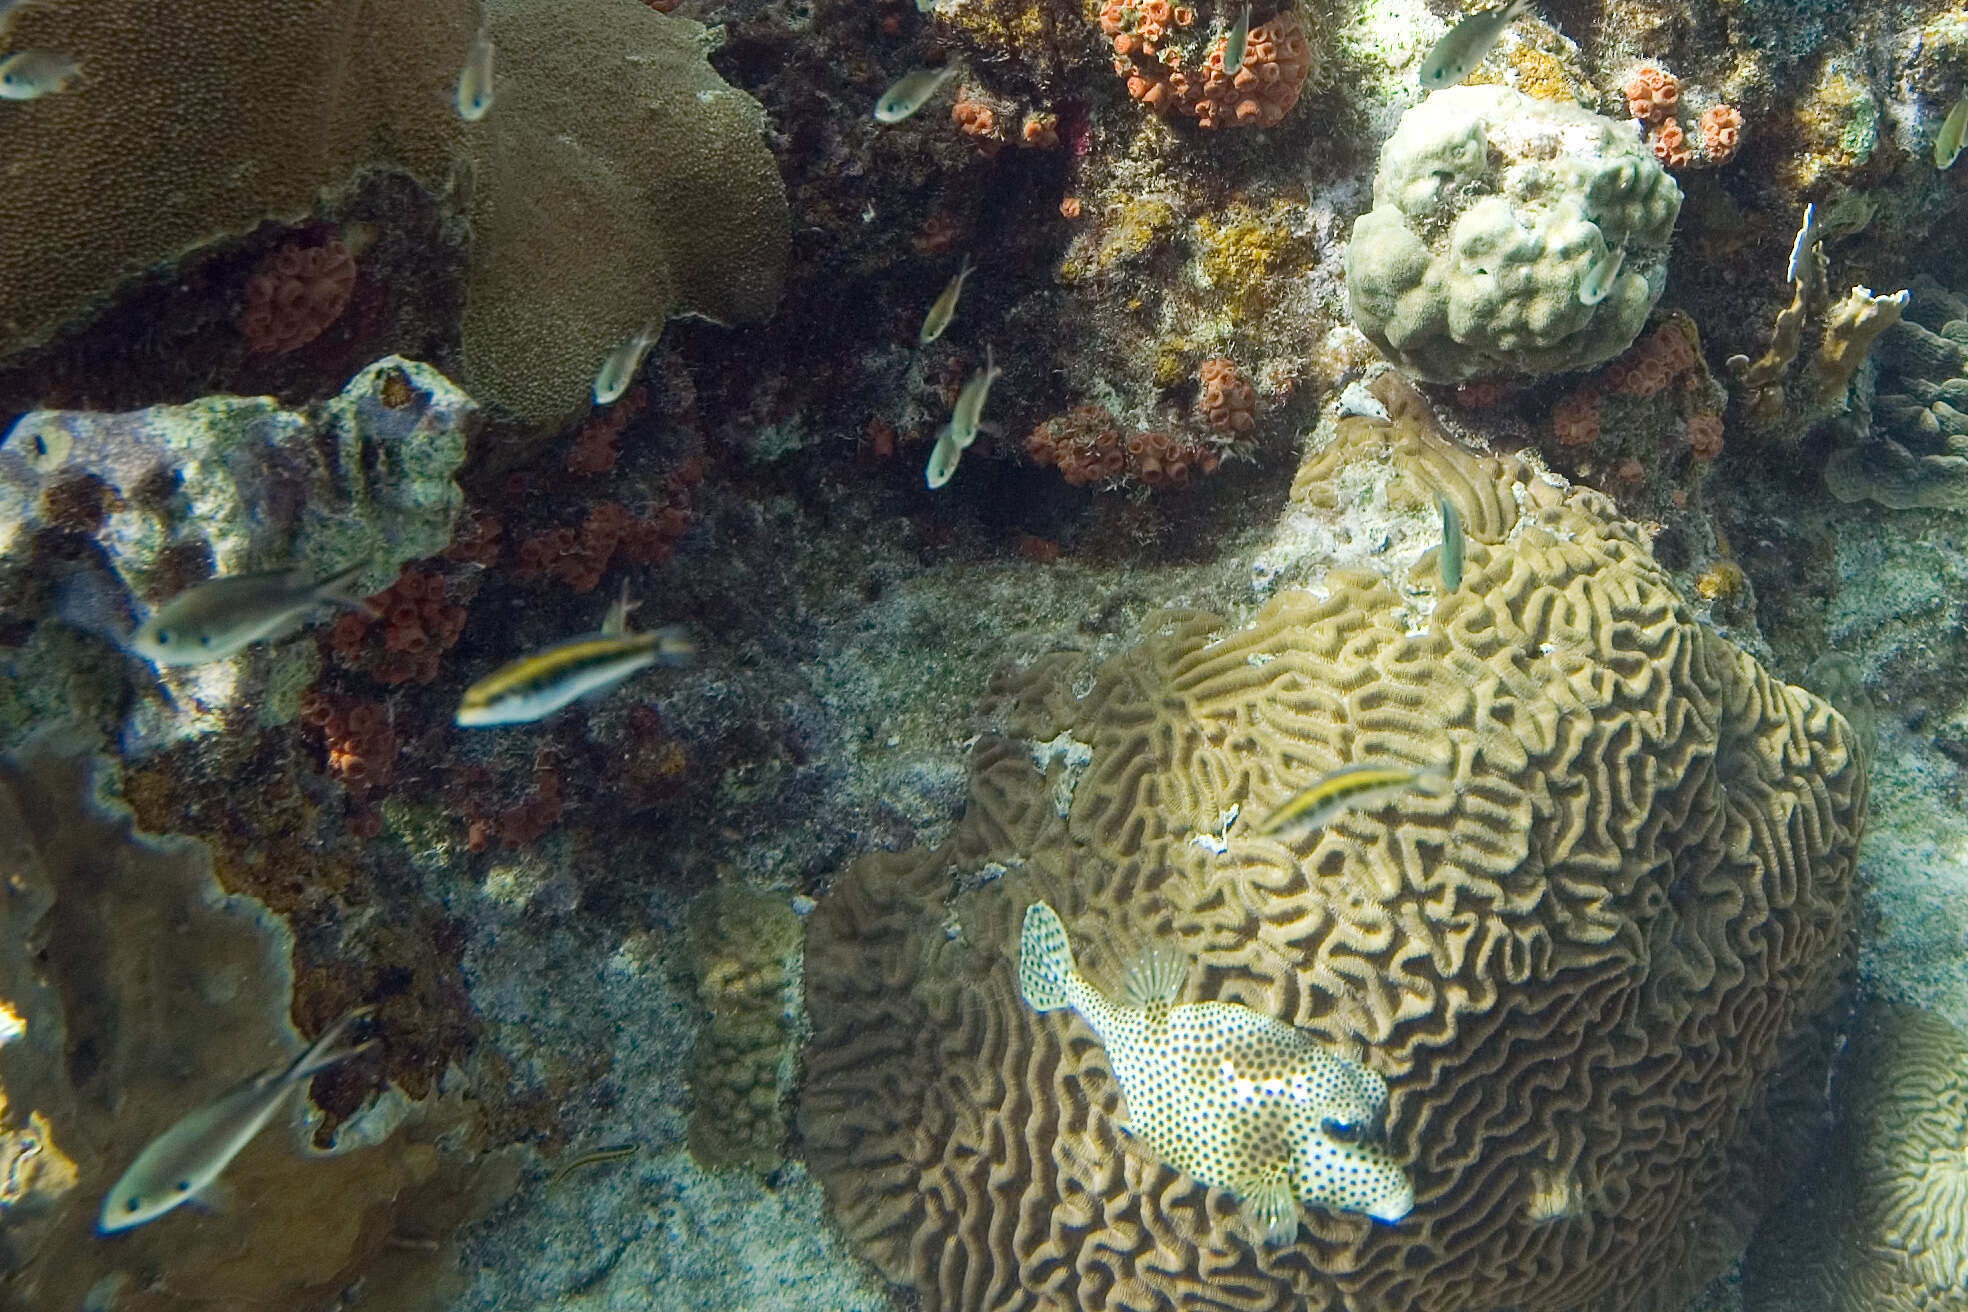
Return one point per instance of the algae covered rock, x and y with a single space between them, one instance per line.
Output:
1580 970
1491 208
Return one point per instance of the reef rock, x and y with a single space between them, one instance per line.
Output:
1584 971
1491 207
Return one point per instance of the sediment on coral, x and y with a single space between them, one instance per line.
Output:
143 992
1583 971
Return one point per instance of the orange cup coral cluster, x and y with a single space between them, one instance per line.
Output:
1088 447
1653 96
360 739
593 451
1168 70
979 122
579 557
417 627
1647 369
1228 401
295 294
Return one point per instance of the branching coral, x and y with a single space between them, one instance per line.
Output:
1579 970
1849 330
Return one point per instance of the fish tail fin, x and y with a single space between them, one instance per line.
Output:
1046 973
340 587
616 622
327 1050
673 645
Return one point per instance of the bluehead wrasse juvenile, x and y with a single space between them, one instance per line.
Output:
189 1156
31 74
943 458
475 80
1237 42
911 92
968 413
944 308
1468 43
1947 146
619 370
534 687
594 1158
220 617
1451 558
1598 282
1352 787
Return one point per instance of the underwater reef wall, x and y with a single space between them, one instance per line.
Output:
1580 971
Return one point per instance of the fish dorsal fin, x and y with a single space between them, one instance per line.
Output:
1156 975
1271 1207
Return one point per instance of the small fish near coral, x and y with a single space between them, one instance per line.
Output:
1238 42
1954 128
911 92
31 74
475 81
619 370
943 458
1367 786
1452 544
534 687
184 1160
967 416
944 308
221 617
1240 1100
1468 43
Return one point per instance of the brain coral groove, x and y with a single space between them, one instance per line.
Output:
1578 972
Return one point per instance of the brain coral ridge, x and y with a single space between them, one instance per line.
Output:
1576 971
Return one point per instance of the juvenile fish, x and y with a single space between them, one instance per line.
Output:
31 74
1468 43
475 80
622 365
943 459
1947 146
911 92
944 308
534 687
221 617
1237 42
968 414
1598 282
1353 787
1452 545
189 1156
1238 1099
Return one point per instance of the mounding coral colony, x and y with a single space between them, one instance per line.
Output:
983 655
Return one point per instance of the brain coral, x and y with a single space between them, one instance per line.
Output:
1490 208
619 179
1884 1228
1577 971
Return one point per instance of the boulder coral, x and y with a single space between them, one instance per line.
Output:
1579 969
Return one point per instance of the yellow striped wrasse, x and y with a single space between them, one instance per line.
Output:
1350 788
534 687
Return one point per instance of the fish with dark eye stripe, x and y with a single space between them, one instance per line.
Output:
1352 787
534 687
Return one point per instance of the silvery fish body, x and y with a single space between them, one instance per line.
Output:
1238 1099
189 1156
943 458
911 92
944 308
31 74
1600 279
967 416
534 687
1237 42
1466 44
475 80
220 617
1954 128
619 370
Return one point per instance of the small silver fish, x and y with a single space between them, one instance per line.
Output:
475 80
1466 44
911 92
1947 146
220 617
1452 544
534 687
944 308
31 74
619 370
189 1156
1237 42
967 416
943 458
1601 278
